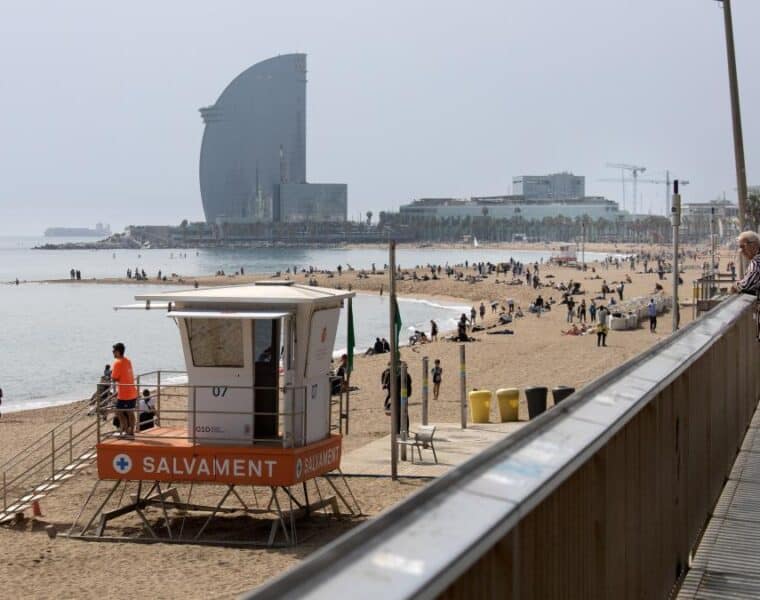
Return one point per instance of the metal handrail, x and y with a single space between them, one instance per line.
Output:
345 563
160 413
53 451
69 420
47 463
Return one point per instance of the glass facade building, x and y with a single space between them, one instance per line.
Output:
254 139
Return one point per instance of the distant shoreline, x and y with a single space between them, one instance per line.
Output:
611 248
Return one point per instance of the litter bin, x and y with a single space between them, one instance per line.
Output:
561 392
509 402
480 405
536 397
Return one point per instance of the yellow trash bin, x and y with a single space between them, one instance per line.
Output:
509 403
480 405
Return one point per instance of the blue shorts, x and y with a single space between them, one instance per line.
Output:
126 404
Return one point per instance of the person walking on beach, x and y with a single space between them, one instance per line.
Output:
473 314
570 306
620 288
123 375
652 312
433 331
437 373
582 311
462 329
601 334
482 311
592 312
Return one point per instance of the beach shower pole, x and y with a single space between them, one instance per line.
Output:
404 411
463 386
424 390
583 243
712 250
393 383
675 217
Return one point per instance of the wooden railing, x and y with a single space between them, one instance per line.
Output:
604 496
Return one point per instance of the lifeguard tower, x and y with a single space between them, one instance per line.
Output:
254 414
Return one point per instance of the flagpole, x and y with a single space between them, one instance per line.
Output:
393 383
350 339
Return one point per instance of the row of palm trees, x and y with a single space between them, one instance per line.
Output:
653 229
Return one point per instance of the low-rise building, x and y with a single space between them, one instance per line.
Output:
513 206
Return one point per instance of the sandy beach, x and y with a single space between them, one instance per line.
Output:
535 354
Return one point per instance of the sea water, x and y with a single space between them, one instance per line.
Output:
18 260
56 338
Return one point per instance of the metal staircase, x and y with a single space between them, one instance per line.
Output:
48 462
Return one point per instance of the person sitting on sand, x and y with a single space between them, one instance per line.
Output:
519 312
418 337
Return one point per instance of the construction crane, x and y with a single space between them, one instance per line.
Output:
667 181
635 170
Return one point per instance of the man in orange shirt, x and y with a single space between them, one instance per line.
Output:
126 393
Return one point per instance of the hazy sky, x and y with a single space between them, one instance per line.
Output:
405 99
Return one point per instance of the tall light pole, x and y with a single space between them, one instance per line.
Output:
741 171
675 217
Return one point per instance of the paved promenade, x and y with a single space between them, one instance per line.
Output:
727 561
453 446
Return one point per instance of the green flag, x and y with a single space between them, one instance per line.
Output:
398 325
351 336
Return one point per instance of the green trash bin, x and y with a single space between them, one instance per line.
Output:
480 405
509 404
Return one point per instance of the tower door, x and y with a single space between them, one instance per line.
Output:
266 364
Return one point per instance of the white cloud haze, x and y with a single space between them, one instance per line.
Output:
405 99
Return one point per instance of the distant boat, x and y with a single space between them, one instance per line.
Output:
475 242
99 231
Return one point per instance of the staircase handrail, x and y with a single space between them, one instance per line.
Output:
43 462
73 417
32 473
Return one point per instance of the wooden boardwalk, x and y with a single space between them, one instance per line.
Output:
453 446
727 560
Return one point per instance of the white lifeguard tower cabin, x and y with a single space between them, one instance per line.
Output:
258 360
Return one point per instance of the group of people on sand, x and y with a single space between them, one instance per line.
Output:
381 346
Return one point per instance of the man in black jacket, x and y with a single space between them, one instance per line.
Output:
385 380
